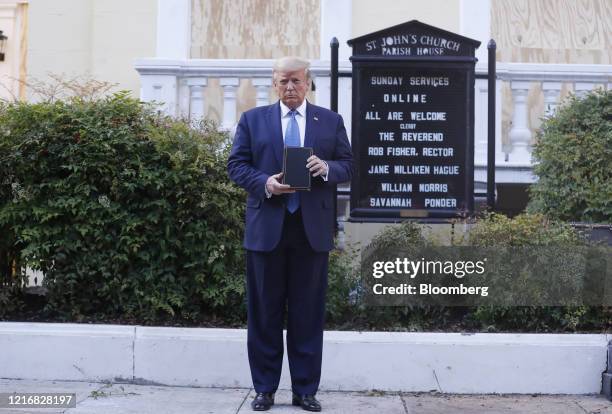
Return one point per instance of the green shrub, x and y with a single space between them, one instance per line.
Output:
128 213
343 287
523 231
346 300
573 157
490 231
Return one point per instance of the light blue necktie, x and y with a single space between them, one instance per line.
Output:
292 139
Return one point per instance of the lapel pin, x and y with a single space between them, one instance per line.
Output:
315 118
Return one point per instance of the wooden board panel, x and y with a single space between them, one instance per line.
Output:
255 29
552 31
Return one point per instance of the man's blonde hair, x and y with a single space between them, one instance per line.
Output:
290 64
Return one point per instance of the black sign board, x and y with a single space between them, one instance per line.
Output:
412 123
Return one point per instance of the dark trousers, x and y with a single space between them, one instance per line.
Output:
295 275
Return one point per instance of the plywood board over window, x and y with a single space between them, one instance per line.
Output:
255 29
553 31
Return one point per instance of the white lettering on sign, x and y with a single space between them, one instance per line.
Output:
396 51
390 202
399 44
433 188
402 152
395 116
440 42
372 116
404 39
428 116
411 169
386 136
396 187
446 169
429 51
378 169
404 98
429 81
441 202
423 136
438 152
375 151
386 80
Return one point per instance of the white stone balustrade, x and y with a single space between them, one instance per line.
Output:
551 78
180 84
196 97
229 86
262 85
520 134
552 93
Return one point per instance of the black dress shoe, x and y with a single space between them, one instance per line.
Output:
263 401
307 402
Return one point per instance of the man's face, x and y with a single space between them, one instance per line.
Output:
291 87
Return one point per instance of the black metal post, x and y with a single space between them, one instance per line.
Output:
333 105
491 47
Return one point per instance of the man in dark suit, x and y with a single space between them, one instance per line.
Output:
288 234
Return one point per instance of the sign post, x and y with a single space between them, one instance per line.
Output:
412 123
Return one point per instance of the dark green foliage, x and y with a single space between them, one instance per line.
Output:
345 301
574 161
490 231
129 214
132 218
531 230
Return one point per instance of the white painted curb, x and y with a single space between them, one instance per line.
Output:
391 361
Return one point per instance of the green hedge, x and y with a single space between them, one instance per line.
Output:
573 157
489 231
132 218
129 214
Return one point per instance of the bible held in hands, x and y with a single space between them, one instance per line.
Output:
295 172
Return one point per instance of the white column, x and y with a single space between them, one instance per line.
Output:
183 98
173 29
500 151
481 115
481 125
229 86
322 94
9 68
552 91
162 89
336 18
475 23
196 98
520 135
262 87
345 102
581 88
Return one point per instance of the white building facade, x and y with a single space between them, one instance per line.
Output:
213 58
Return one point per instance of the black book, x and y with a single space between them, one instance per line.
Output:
295 172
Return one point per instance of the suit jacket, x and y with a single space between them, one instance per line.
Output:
257 153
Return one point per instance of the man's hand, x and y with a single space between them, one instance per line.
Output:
316 166
275 187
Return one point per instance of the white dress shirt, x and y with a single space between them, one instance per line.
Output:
300 117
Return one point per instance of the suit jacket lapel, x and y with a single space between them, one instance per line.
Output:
274 115
312 125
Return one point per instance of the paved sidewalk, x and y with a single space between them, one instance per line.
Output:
98 398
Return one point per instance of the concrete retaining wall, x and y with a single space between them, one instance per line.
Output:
392 361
